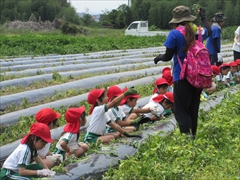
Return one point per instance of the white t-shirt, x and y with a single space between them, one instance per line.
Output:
99 119
115 114
126 109
44 151
71 141
228 76
170 89
152 104
21 155
236 47
219 78
237 73
153 96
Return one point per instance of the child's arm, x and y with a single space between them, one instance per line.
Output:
39 160
119 129
118 99
143 110
27 172
64 145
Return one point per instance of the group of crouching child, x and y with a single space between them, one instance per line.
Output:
113 115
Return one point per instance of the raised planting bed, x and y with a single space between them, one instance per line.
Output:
40 94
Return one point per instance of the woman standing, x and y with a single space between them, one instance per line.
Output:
236 44
186 96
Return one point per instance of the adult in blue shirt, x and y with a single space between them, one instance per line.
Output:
214 41
187 97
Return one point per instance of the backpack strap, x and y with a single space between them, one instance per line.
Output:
179 60
199 34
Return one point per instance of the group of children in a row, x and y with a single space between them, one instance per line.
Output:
113 115
225 75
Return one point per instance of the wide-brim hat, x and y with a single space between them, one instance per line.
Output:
219 17
46 115
181 14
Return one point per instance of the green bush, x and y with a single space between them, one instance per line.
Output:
228 33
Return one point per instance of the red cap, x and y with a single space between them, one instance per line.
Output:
167 75
46 115
167 95
124 100
238 61
93 96
113 91
161 81
224 65
72 116
166 69
215 69
41 130
232 64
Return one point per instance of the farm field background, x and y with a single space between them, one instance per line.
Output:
76 64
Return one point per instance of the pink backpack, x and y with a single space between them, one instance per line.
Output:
196 67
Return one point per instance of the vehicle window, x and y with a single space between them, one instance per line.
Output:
143 24
133 26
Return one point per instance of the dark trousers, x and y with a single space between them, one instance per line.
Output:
214 60
236 55
186 106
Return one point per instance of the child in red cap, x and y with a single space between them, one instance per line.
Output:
49 117
216 71
224 69
100 105
164 102
229 78
68 143
19 164
161 86
167 75
128 106
237 74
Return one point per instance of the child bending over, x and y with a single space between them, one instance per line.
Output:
49 117
19 164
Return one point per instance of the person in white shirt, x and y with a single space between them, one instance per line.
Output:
128 106
161 87
19 165
224 69
49 117
97 125
164 102
236 44
117 115
68 143
237 74
229 78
